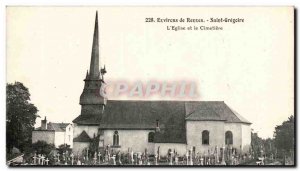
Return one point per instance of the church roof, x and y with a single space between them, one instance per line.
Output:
83 137
143 115
212 110
87 119
130 114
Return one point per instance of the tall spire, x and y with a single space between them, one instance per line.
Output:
94 66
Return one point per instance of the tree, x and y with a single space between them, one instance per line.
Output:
94 144
20 116
42 147
284 135
256 144
269 147
63 148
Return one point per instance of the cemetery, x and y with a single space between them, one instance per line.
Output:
218 156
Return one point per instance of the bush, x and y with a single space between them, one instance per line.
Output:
42 147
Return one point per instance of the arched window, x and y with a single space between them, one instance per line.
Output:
205 137
116 138
151 137
228 138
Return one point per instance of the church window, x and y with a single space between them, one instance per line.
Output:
116 138
205 137
151 137
228 138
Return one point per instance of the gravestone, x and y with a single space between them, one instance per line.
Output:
47 161
72 158
34 159
99 155
43 158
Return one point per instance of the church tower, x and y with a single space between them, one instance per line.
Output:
91 100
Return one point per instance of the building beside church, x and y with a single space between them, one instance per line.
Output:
163 125
54 133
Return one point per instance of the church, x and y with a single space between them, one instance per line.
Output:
153 125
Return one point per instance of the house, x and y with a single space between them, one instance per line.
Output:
54 133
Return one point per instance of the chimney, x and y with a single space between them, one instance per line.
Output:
157 129
44 124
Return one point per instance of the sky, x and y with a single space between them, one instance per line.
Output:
247 65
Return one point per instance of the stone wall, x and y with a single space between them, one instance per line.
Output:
59 138
90 130
194 131
135 139
246 137
217 129
236 130
78 147
48 136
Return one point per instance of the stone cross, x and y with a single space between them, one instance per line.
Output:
113 158
55 158
187 158
217 155
95 158
128 156
204 158
171 158
146 156
58 157
234 161
191 158
131 157
72 158
47 161
106 155
176 160
143 158
223 156
78 162
201 160
158 153
140 162
230 155
64 156
43 158
39 159
272 157
34 159
99 155
87 154
119 157
108 152
135 159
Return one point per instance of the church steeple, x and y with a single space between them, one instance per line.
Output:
94 65
91 100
